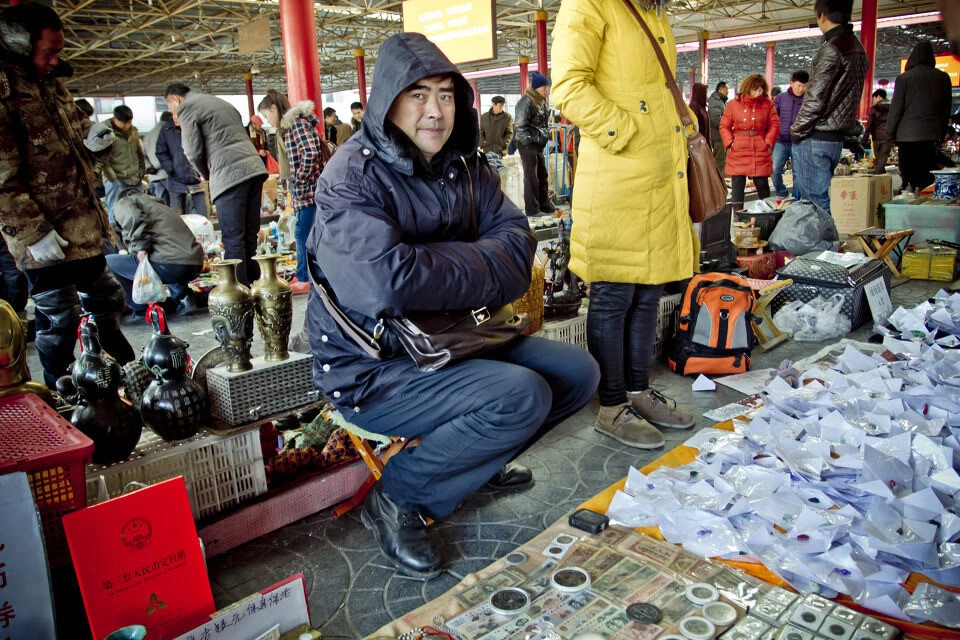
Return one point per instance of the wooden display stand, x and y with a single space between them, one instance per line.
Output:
767 290
878 243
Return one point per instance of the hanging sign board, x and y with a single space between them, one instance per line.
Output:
465 30
26 608
255 35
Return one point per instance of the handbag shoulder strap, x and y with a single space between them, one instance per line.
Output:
473 205
363 340
682 110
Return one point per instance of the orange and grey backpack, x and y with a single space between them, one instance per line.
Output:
714 334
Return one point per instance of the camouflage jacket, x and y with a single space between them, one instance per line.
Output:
46 174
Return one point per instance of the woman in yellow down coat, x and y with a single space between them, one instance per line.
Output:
631 227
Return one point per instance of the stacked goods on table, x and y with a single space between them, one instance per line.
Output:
846 484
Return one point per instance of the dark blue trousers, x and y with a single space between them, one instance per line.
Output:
238 211
476 416
175 276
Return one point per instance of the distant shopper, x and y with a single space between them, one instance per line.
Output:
877 129
749 130
774 92
181 176
258 137
632 232
532 131
336 131
151 229
52 221
126 165
717 104
698 104
829 111
298 129
919 115
788 105
216 143
496 128
156 176
356 110
87 110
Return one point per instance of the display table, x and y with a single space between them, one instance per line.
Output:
929 219
449 605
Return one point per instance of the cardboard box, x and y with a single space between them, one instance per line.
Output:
929 263
854 200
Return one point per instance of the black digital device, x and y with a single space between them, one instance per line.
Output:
589 521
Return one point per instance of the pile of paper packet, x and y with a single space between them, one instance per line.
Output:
844 485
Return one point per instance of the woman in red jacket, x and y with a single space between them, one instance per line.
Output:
749 129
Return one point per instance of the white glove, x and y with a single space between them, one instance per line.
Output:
49 248
100 137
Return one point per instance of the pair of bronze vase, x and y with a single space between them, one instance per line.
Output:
233 308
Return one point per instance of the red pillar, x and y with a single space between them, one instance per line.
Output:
360 55
771 46
298 25
868 37
524 74
693 78
540 17
248 81
704 36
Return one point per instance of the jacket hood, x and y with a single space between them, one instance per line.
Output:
402 60
882 106
922 55
16 50
699 94
303 109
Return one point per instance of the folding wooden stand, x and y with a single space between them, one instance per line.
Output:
767 290
879 243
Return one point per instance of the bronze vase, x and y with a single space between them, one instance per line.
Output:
273 301
231 314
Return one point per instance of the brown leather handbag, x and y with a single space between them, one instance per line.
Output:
708 191
436 339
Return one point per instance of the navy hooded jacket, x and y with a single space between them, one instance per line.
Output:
394 235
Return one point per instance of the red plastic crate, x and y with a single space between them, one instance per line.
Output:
35 439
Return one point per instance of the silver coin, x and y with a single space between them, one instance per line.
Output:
570 577
516 558
509 600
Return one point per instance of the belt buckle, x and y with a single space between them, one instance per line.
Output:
480 315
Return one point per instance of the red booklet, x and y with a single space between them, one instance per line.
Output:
138 561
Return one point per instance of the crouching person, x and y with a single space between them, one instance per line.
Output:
151 229
411 219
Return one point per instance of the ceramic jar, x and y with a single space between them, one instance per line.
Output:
173 405
273 303
947 184
231 313
112 424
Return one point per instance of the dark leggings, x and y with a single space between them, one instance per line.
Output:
738 185
621 334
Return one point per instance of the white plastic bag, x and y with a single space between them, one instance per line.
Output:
820 319
147 286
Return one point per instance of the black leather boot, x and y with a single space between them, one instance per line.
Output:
401 534
511 478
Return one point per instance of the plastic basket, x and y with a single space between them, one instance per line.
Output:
219 471
667 321
572 331
36 440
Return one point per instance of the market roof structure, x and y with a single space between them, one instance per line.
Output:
136 47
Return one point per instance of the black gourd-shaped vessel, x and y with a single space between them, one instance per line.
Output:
173 405
112 424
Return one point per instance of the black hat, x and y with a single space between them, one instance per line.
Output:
498 100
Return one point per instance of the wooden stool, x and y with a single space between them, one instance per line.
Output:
767 290
361 440
879 243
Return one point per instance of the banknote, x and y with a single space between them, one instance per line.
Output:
616 574
601 562
569 627
658 552
570 606
649 591
508 628
608 622
482 591
579 554
637 631
672 601
633 583
611 536
477 621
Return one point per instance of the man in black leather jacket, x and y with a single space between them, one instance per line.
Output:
829 112
532 130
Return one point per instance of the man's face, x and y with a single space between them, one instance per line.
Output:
498 107
724 90
544 90
798 88
173 102
46 51
425 111
123 126
357 114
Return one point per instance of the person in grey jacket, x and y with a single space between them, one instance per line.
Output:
919 115
717 104
217 144
151 229
156 176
